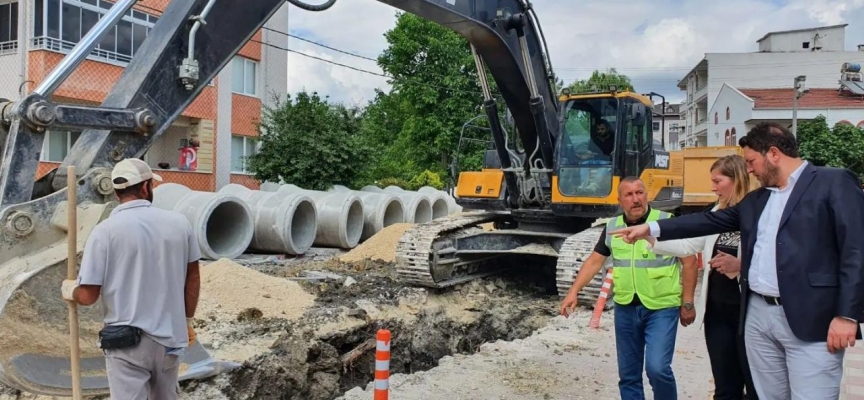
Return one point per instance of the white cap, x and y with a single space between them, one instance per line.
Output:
134 171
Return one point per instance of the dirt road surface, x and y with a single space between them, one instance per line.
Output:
563 360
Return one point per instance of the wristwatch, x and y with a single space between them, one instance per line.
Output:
688 305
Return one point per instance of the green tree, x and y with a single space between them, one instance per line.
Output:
435 91
310 143
842 146
601 81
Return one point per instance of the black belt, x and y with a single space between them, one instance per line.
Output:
774 301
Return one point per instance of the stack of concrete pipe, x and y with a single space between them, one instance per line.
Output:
418 207
222 222
284 222
340 215
286 219
380 210
437 199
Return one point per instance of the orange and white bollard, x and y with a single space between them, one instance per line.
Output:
382 365
601 300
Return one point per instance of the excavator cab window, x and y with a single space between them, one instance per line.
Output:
638 139
588 147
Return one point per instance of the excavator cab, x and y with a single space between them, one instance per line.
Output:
603 138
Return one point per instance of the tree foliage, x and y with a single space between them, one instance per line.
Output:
310 143
602 81
435 91
842 146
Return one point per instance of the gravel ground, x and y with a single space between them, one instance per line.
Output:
564 360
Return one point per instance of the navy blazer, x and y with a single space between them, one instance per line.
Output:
820 247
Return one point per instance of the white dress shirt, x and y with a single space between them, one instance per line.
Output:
763 266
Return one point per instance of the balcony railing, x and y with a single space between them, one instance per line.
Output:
10 47
701 91
63 46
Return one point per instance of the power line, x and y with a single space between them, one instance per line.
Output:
321 59
367 71
320 44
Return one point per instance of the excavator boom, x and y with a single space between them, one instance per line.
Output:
506 37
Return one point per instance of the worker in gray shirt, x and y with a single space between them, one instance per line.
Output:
144 263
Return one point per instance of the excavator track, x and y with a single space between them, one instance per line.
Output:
426 256
572 254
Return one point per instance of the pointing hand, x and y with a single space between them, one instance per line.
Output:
631 234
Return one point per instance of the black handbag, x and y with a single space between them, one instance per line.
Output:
119 337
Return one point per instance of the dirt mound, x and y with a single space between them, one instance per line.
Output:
229 289
381 246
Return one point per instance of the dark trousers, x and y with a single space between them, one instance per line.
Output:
726 352
645 338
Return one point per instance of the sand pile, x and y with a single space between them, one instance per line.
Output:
381 246
228 288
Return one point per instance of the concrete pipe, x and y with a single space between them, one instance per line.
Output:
380 210
284 223
269 186
418 208
222 222
340 217
440 208
452 207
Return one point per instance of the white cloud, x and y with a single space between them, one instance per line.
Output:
655 42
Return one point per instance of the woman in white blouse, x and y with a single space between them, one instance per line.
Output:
719 301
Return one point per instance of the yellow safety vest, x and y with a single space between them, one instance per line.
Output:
637 270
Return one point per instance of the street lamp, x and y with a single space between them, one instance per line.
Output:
799 91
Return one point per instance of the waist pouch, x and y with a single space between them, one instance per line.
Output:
119 337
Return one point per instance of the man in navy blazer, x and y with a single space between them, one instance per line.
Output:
802 266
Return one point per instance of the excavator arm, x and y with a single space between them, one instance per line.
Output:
506 37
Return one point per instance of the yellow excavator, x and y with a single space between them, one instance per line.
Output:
545 184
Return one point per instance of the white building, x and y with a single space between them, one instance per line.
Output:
665 126
737 110
816 53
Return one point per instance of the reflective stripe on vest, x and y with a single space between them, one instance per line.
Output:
637 270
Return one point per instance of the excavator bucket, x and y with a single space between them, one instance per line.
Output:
34 344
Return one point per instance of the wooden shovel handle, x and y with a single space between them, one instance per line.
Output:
72 273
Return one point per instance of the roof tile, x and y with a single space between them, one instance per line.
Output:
816 98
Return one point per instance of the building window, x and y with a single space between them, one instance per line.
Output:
57 145
727 113
732 137
243 78
716 120
655 126
8 26
241 147
60 24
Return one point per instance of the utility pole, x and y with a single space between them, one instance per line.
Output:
799 91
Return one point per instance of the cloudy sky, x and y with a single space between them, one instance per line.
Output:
655 42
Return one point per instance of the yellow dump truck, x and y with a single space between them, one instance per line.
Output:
697 175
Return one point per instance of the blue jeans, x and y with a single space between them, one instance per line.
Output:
643 335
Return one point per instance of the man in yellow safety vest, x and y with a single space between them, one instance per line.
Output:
649 297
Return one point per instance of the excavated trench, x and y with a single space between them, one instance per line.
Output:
304 367
305 363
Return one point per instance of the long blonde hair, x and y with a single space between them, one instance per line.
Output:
733 167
